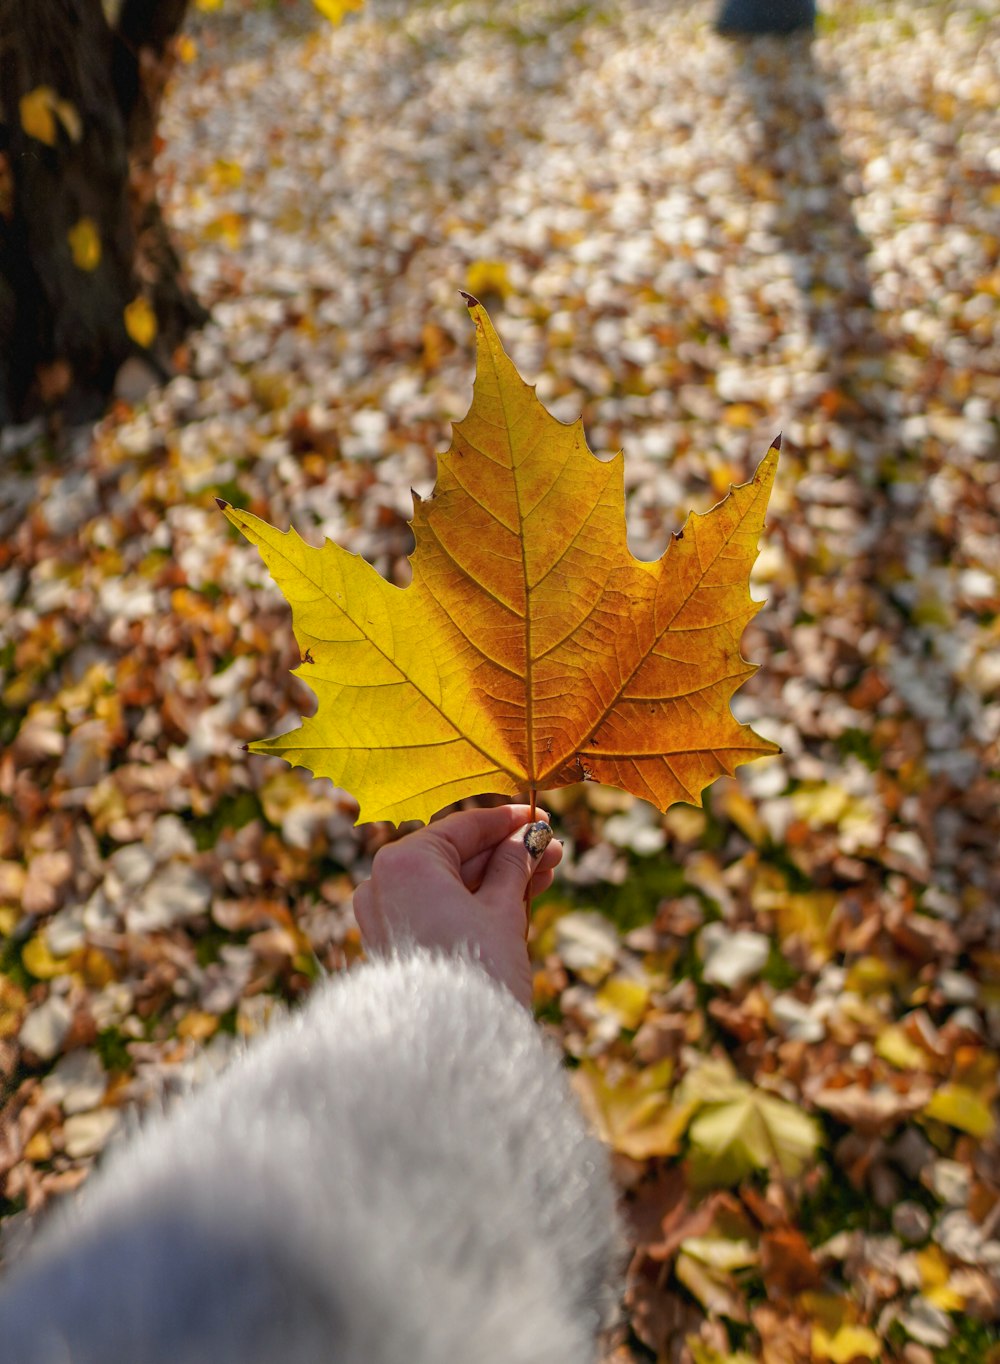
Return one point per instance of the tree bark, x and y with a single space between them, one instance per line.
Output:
63 332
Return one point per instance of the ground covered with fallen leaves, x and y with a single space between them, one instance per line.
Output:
782 1010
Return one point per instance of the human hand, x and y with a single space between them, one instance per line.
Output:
459 884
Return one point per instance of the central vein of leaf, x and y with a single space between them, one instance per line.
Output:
529 717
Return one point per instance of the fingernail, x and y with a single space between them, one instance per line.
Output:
537 838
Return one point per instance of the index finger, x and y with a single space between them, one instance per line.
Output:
470 832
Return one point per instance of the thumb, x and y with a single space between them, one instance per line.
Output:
514 862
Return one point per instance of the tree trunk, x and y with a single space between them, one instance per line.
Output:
766 16
81 233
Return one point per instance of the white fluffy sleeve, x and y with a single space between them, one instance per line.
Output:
396 1175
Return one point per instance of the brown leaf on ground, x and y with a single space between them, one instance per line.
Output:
873 1110
787 1262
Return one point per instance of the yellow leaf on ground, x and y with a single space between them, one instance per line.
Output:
870 976
625 997
961 1107
338 10
805 916
42 111
846 1344
226 174
92 966
38 1148
894 1046
488 277
719 1293
743 416
198 1025
37 118
734 1128
530 650
932 1267
37 958
721 1252
140 322
712 1081
705 1354
227 228
751 1130
947 1298
85 244
633 1114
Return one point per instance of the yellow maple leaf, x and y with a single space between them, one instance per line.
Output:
530 650
85 244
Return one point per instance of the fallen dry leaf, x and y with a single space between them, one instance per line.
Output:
85 244
876 1109
42 112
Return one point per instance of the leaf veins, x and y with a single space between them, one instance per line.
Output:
531 649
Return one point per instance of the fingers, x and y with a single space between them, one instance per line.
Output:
481 835
512 867
473 832
425 889
541 881
473 870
